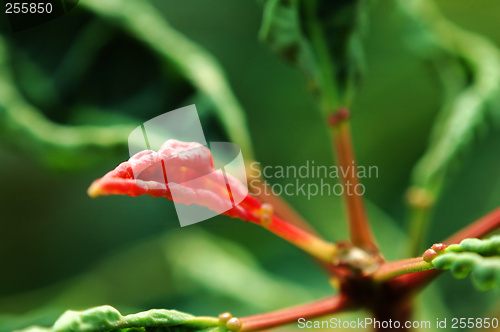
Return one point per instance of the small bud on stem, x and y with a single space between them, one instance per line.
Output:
234 324
429 255
224 318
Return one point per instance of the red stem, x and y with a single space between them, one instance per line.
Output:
477 229
321 307
360 230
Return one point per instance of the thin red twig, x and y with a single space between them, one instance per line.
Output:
318 308
360 230
315 246
394 269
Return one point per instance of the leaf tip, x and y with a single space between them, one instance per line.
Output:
94 190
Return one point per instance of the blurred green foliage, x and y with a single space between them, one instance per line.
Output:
91 76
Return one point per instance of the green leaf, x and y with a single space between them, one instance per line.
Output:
106 318
480 258
321 38
488 247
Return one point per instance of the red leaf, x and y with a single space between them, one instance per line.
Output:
185 169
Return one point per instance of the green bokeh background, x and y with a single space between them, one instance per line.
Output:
60 249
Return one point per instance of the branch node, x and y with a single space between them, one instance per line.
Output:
356 259
341 115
